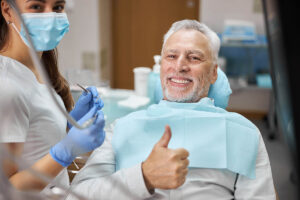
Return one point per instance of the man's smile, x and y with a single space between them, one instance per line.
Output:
179 81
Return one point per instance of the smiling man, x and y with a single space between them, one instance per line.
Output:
188 66
209 154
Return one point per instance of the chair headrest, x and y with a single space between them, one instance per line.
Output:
220 91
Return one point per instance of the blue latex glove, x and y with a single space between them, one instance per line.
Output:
85 102
78 141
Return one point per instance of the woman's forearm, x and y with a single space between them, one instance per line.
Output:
25 180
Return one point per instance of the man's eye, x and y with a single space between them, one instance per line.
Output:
171 56
195 58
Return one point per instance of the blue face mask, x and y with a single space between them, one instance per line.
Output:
45 29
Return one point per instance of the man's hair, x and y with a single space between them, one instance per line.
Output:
186 24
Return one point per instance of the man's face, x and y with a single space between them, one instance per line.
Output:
187 67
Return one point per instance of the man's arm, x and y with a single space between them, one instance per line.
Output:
262 187
164 168
98 179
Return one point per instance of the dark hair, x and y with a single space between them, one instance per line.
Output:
3 30
49 59
59 83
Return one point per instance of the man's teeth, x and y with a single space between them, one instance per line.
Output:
179 81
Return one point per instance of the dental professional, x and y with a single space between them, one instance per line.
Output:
31 125
187 147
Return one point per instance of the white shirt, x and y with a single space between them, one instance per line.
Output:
98 180
28 114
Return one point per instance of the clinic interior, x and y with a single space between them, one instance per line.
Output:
109 39
114 37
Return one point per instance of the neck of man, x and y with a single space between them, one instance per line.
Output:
183 101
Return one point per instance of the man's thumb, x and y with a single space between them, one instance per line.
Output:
165 139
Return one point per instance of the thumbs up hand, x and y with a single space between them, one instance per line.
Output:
165 168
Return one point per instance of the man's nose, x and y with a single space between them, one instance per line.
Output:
182 64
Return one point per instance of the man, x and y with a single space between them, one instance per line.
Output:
227 156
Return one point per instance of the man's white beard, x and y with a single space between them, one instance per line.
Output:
193 96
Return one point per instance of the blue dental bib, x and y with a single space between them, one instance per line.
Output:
214 137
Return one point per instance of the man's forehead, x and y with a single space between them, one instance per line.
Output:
190 40
187 51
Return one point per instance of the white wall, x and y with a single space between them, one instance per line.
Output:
105 14
213 13
83 36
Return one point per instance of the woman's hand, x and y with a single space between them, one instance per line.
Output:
78 141
85 102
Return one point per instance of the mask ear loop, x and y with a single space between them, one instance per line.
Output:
14 26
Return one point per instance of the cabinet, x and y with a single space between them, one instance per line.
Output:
247 62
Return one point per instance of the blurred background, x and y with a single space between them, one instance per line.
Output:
108 39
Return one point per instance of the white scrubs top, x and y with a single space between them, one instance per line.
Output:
98 180
29 115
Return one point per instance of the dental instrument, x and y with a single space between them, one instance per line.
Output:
84 89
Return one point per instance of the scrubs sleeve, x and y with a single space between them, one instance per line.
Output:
262 187
14 114
98 179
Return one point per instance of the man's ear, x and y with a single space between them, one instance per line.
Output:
6 11
214 74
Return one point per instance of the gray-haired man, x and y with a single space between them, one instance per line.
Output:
227 156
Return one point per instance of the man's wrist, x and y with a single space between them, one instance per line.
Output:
149 186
